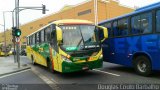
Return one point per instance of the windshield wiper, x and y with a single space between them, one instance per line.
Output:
82 37
78 45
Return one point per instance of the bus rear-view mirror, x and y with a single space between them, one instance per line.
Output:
102 33
59 34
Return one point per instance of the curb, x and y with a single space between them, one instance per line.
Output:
15 71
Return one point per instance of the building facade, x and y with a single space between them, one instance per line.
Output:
106 9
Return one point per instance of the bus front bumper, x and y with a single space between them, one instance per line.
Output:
72 67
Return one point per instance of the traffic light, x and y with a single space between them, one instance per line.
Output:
13 31
43 9
16 32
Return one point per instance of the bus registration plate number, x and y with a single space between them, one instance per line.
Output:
84 68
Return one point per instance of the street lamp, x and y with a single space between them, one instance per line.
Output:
4 27
4 37
17 10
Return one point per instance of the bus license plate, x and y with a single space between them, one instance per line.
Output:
84 68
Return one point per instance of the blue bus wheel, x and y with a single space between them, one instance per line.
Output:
142 65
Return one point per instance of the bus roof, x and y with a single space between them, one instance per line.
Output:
65 21
143 9
72 21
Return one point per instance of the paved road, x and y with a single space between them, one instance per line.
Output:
109 74
25 80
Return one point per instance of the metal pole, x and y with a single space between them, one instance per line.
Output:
17 25
4 31
13 37
96 12
12 18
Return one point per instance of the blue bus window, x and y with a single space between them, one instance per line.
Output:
158 21
135 25
115 28
146 23
123 27
108 26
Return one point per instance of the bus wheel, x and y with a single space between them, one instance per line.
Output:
49 66
142 65
33 62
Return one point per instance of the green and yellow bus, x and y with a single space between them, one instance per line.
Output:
67 45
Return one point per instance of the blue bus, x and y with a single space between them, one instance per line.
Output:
134 39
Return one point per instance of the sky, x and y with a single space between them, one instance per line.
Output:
52 5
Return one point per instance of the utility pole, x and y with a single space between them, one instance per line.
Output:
17 31
13 40
96 12
17 26
4 27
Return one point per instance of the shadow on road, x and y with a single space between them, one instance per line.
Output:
129 70
78 74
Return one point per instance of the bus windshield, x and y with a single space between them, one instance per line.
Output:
79 37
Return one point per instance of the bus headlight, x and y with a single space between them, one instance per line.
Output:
65 59
101 56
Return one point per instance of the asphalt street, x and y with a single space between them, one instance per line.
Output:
25 80
109 74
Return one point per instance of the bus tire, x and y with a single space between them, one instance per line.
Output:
33 61
49 65
142 65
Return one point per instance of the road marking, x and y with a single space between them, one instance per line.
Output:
51 83
14 73
106 72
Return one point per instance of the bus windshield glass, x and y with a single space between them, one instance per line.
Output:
79 37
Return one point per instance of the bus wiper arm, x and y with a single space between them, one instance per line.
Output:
82 37
77 45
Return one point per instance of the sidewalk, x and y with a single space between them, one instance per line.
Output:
7 66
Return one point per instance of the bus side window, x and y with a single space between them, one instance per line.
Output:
42 36
47 34
28 40
158 21
135 25
33 39
110 32
115 28
123 27
54 38
146 23
38 38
